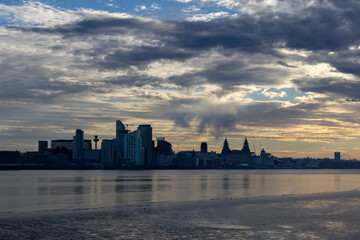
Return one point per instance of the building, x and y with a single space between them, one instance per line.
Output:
64 143
78 145
163 147
108 157
121 133
42 147
10 157
204 147
238 158
92 156
133 150
337 156
145 132
225 149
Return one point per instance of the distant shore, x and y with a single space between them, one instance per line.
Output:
313 216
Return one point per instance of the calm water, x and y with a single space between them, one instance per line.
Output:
39 190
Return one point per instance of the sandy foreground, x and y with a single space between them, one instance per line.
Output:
314 216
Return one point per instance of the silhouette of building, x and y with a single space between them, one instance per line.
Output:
42 146
225 149
108 153
246 149
163 147
133 156
266 160
68 144
145 132
121 133
92 157
337 156
10 157
62 143
78 145
203 147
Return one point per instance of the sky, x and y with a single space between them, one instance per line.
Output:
284 74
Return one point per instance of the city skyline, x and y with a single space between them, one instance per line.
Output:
283 74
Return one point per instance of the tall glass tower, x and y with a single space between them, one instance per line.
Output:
121 133
146 143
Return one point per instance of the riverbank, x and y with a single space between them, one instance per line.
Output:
312 216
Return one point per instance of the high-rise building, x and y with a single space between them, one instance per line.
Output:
225 149
78 145
146 143
108 152
121 133
337 156
42 147
133 156
204 147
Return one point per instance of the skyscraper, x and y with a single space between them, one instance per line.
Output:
78 145
133 149
145 132
108 153
121 133
204 147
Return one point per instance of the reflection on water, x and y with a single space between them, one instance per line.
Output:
32 190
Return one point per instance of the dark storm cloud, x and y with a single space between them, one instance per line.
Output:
330 86
314 28
29 81
140 56
135 80
231 73
103 25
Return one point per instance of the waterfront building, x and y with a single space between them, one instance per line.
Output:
337 156
145 132
225 149
246 149
204 147
42 146
92 156
68 144
121 133
108 157
163 147
78 145
133 150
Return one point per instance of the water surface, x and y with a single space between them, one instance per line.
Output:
56 189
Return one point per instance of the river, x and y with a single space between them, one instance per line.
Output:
33 190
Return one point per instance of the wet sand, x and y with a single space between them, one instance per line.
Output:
313 216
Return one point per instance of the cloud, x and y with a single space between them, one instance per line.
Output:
208 16
197 75
285 64
36 13
339 87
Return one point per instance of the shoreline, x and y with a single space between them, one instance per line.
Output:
329 215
